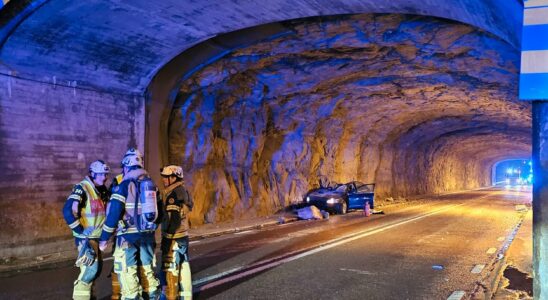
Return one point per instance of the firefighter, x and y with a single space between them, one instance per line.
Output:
116 292
176 276
134 236
84 212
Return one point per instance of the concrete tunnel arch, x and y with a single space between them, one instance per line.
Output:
64 52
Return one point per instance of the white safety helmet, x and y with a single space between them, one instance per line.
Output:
132 158
172 170
99 167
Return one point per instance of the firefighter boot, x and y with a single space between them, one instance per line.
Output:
185 282
172 288
149 282
116 291
129 283
82 290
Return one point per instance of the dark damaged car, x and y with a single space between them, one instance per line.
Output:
339 198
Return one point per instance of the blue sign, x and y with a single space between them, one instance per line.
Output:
533 79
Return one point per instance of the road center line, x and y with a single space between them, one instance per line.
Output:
211 281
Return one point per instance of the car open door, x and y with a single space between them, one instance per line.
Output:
360 193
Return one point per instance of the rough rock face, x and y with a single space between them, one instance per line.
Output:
417 105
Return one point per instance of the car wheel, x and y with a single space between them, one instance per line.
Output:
343 208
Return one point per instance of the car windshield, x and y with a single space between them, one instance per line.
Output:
341 188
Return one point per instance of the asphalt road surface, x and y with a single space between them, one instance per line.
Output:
441 248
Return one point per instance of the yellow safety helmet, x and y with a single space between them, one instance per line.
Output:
172 170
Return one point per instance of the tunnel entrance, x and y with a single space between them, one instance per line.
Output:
513 172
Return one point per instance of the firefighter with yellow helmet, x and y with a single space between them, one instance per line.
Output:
84 213
176 277
133 214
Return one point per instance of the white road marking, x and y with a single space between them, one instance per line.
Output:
267 264
477 269
244 232
456 295
491 250
205 279
108 258
193 242
361 272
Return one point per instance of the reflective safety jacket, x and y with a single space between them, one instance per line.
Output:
121 209
84 209
178 204
116 182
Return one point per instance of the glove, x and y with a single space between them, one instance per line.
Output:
88 231
86 255
102 245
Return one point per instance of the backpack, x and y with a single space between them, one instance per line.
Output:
146 208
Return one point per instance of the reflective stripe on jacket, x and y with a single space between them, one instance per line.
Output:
92 212
177 203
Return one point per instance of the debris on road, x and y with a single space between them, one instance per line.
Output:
309 213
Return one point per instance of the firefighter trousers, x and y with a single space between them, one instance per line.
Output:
176 275
126 258
83 285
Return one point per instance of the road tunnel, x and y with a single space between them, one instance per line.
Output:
417 105
416 96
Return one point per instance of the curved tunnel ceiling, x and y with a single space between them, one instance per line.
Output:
416 104
121 45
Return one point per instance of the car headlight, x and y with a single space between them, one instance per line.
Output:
332 200
307 199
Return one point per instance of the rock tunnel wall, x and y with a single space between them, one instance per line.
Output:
417 105
49 134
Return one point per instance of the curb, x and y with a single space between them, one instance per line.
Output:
493 279
271 223
505 262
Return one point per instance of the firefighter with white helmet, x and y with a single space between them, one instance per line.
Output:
115 283
176 277
84 213
133 214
